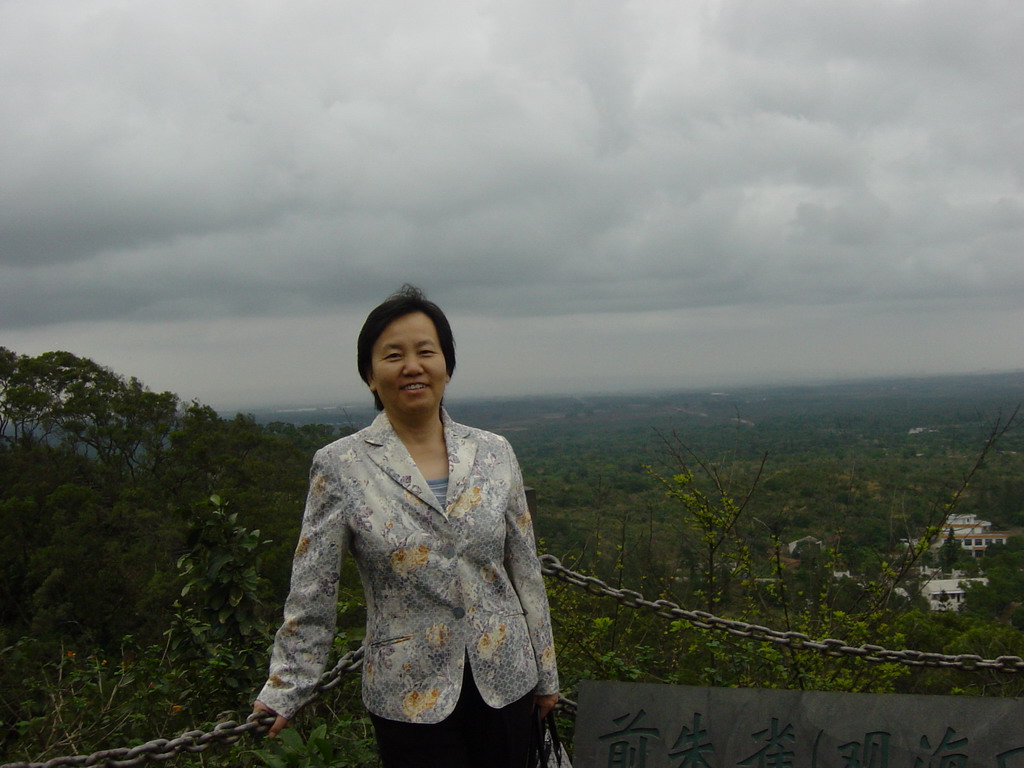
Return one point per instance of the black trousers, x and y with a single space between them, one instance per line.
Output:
474 735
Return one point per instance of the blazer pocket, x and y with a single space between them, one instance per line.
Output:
391 641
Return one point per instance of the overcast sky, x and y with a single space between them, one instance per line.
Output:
602 195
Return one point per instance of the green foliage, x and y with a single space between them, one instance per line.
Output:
105 488
321 748
1000 599
957 633
950 552
735 562
223 568
715 515
97 470
69 702
58 701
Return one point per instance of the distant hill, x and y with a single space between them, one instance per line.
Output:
918 398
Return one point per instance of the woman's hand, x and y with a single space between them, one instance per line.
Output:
544 704
280 723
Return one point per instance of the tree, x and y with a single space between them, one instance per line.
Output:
950 552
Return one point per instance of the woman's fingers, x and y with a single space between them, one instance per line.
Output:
280 723
545 704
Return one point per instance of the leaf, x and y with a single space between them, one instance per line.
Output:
271 759
324 748
216 563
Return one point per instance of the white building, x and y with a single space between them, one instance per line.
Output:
973 535
947 594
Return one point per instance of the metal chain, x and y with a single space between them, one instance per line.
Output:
551 566
229 731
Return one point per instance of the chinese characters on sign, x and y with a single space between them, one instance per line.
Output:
630 725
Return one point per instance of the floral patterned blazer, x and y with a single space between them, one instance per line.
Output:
442 584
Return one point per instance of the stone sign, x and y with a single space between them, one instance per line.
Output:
633 725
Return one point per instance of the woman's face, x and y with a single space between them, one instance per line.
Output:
408 371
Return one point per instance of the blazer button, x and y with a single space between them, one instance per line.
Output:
459 613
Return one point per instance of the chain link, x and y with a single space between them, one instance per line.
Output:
229 731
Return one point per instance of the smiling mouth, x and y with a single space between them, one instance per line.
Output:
409 387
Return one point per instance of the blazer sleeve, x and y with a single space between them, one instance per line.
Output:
303 642
523 568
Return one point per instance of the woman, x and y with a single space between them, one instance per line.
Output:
458 636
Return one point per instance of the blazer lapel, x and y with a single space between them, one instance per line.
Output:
461 455
386 450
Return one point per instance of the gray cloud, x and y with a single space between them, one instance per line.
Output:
225 163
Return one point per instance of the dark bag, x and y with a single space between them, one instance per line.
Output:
546 750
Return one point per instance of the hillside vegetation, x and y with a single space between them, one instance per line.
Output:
145 542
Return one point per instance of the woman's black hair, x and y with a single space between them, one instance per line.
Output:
404 302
